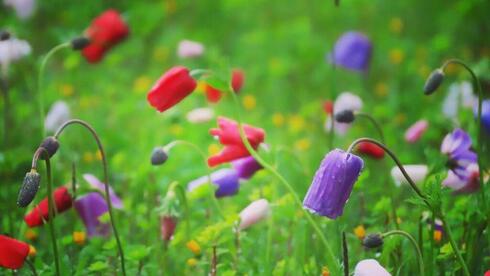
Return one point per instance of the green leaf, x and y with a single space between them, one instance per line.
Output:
98 266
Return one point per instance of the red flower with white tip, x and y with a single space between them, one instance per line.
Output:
371 150
13 253
37 216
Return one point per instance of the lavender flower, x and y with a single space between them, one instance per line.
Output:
190 49
12 49
23 8
253 213
96 184
352 51
226 180
485 114
90 207
370 267
57 115
246 167
333 183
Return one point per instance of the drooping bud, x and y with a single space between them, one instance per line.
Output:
51 145
4 35
158 156
433 81
79 43
345 116
372 241
29 188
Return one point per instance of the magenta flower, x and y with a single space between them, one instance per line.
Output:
96 184
90 207
226 181
246 167
416 131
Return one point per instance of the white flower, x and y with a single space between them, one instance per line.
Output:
459 94
200 115
370 267
190 49
345 101
416 172
13 49
57 115
23 8
253 213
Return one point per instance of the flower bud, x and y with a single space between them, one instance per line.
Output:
29 188
158 156
345 116
79 43
372 241
433 81
51 145
4 35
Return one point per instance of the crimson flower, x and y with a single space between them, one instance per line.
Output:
40 213
107 30
212 94
371 150
229 136
237 78
13 253
171 88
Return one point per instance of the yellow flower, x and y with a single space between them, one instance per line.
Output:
424 71
88 157
396 56
360 232
30 234
176 129
396 25
381 89
249 102
141 84
192 262
32 251
201 86
79 237
302 144
160 53
400 118
66 90
194 247
98 155
437 235
296 123
325 271
278 119
213 149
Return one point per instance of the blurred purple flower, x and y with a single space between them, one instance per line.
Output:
416 131
57 115
459 95
23 8
246 167
96 184
190 49
467 183
370 267
332 184
485 114
226 180
12 49
352 51
90 207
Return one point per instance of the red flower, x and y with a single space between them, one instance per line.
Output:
371 149
12 252
40 213
167 227
105 31
213 94
229 136
237 77
328 107
171 88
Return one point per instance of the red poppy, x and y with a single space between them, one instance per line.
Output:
371 149
229 136
107 30
13 253
212 94
171 88
237 77
328 107
40 213
167 227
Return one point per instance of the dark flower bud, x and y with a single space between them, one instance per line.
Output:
344 116
51 145
433 81
372 241
4 35
79 43
158 156
29 188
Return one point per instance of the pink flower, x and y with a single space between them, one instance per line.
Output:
416 131
253 213
370 267
468 184
190 49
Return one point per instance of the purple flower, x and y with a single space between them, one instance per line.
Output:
100 186
246 167
226 180
90 207
333 183
352 51
485 114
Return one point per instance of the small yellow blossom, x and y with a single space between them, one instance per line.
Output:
160 53
278 119
32 251
400 118
194 247
142 84
30 234
201 86
424 71
79 237
381 89
396 25
302 144
397 56
360 232
296 123
88 157
98 155
176 129
437 235
66 90
325 271
192 262
85 102
213 149
249 102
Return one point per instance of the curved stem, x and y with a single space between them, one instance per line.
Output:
51 203
39 81
375 124
31 267
174 143
449 235
414 243
106 181
331 260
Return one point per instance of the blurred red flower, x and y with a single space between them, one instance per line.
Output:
167 227
40 213
328 107
212 94
107 30
171 88
371 150
229 136
12 252
237 78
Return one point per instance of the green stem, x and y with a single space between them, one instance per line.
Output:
331 260
414 243
31 267
106 181
375 124
449 235
40 81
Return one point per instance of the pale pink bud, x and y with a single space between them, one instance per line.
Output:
414 132
254 213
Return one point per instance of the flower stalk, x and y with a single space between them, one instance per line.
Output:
420 259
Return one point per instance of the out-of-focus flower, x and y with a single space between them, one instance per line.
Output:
466 184
226 180
246 167
200 115
23 8
13 49
345 101
171 88
30 234
370 267
296 123
325 271
485 114
249 102
105 31
328 107
13 253
212 94
57 115
352 51
278 119
194 247
372 241
370 149
190 49
191 262
237 79
253 213
396 25
416 131
381 89
79 237
333 183
32 251
167 227
40 213
396 56
416 172
229 136
458 95
360 232
96 184
90 207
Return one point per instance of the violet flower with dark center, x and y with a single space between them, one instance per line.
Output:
226 180
90 207
352 51
246 167
333 183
